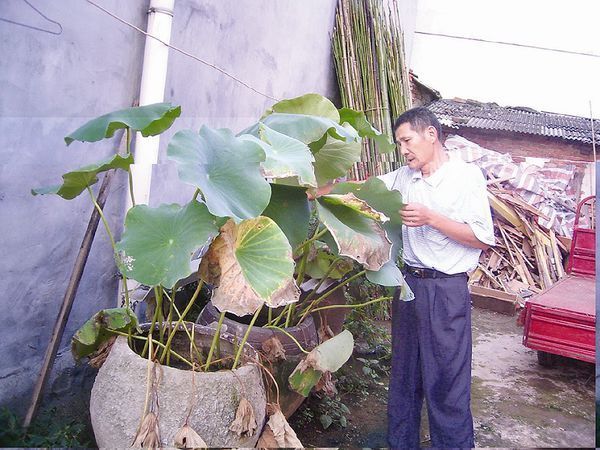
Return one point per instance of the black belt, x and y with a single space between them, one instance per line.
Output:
420 272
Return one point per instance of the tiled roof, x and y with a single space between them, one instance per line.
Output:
458 113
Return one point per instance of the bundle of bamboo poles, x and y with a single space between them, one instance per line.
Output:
526 257
368 49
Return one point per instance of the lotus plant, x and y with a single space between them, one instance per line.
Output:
258 210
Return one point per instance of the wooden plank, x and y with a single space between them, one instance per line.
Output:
545 279
528 278
557 255
506 212
516 201
494 299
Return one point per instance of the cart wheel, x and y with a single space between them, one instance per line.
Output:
546 359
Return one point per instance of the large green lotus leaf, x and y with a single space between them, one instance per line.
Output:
326 357
335 158
149 120
360 206
388 275
286 157
251 263
225 168
97 330
359 122
305 128
75 182
158 243
290 210
356 236
312 104
376 194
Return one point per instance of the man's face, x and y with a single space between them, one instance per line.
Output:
416 148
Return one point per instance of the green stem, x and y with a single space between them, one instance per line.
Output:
215 340
245 338
125 290
289 315
326 294
104 221
157 305
360 305
280 316
314 238
160 344
290 336
192 340
161 314
185 311
322 280
128 131
112 239
197 193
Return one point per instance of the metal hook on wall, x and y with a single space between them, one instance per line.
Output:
34 27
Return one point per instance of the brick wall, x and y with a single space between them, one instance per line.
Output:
421 96
526 145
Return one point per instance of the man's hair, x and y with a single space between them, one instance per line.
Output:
419 118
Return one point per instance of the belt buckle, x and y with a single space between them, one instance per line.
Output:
418 272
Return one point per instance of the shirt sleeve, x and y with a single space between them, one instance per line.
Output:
391 179
476 207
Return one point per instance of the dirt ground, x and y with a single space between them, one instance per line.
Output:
515 402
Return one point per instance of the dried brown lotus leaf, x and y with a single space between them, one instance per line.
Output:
283 434
273 349
324 332
99 356
326 384
221 268
244 423
267 439
148 435
186 437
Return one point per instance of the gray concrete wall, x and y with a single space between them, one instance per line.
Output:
281 48
53 84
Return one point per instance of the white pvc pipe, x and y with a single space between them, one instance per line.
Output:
152 90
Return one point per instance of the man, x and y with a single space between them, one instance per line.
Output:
446 224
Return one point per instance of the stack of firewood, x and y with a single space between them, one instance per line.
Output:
526 258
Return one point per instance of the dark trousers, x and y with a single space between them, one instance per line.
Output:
431 358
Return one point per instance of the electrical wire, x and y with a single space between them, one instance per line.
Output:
514 44
224 72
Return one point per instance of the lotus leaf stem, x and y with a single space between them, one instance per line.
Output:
312 239
322 280
155 342
185 311
290 336
245 338
130 175
360 305
112 239
215 340
190 336
326 294
157 305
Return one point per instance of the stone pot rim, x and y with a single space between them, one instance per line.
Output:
249 355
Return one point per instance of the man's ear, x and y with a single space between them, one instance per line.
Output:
432 133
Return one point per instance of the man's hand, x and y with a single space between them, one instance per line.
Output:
415 215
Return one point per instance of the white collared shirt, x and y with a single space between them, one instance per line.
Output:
456 190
